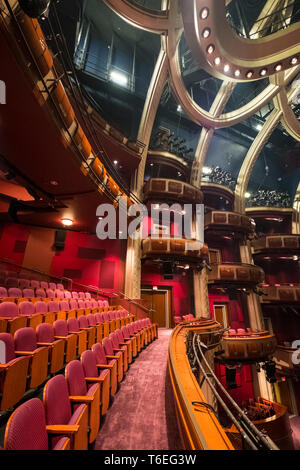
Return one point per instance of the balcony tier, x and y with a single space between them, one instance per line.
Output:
162 189
276 243
273 294
247 347
286 358
232 221
178 247
239 273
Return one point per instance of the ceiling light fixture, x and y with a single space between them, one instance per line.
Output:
67 222
217 60
210 49
278 67
206 170
247 195
226 68
294 60
118 78
206 33
204 13
237 73
259 127
115 162
263 72
250 74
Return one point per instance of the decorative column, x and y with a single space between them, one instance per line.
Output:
201 294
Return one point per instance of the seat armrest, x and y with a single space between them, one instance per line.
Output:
111 357
94 379
123 344
105 366
74 332
44 344
62 428
24 353
81 399
115 349
60 337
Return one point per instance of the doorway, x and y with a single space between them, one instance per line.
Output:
221 314
159 303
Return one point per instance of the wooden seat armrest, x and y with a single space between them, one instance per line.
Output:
123 344
111 357
115 349
3 366
94 379
44 344
60 337
81 399
105 366
62 428
128 339
74 332
24 353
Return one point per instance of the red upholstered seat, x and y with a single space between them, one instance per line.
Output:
26 345
111 354
79 392
73 328
52 286
3 292
92 321
46 337
10 318
118 348
23 283
59 413
15 292
34 284
130 337
105 363
40 293
61 332
26 429
28 293
44 285
33 318
13 374
123 342
97 374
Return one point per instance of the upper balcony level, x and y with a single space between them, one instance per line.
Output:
173 247
281 293
277 243
162 189
233 221
247 346
287 360
235 273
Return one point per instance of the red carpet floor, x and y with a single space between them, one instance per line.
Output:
142 415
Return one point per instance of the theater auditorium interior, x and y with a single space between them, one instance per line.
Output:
144 113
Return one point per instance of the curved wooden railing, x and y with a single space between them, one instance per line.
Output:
241 273
178 247
166 189
248 346
199 427
288 243
228 220
281 293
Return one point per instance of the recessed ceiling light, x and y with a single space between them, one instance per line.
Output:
118 78
226 68
259 127
250 74
217 60
54 183
179 108
278 67
247 195
115 162
294 60
210 49
237 73
67 222
204 13
263 72
206 33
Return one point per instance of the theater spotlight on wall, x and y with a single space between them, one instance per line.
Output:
34 8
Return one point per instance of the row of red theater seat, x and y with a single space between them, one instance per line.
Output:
42 293
13 316
29 283
65 341
87 386
189 317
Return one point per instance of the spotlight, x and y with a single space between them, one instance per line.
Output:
34 8
67 222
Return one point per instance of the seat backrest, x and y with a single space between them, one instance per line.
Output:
241 331
67 294
52 286
26 308
91 319
106 316
99 353
8 309
34 284
119 335
28 293
88 304
125 331
73 324
11 282
73 304
100 303
40 293
108 347
56 401
75 295
50 293
44 285
53 306
99 318
25 339
81 295
114 339
23 283
89 363
64 306
231 331
83 322
26 428
94 304
9 346
105 304
60 286
3 292
59 294
74 374
14 292
41 307
60 328
81 303
45 333
88 295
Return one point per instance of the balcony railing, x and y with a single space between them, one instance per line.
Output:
178 247
228 220
286 359
248 347
281 293
241 273
169 189
288 243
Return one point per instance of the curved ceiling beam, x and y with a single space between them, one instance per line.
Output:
252 59
138 17
206 135
251 157
282 102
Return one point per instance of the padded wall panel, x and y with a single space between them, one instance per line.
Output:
90 253
73 273
20 246
107 274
